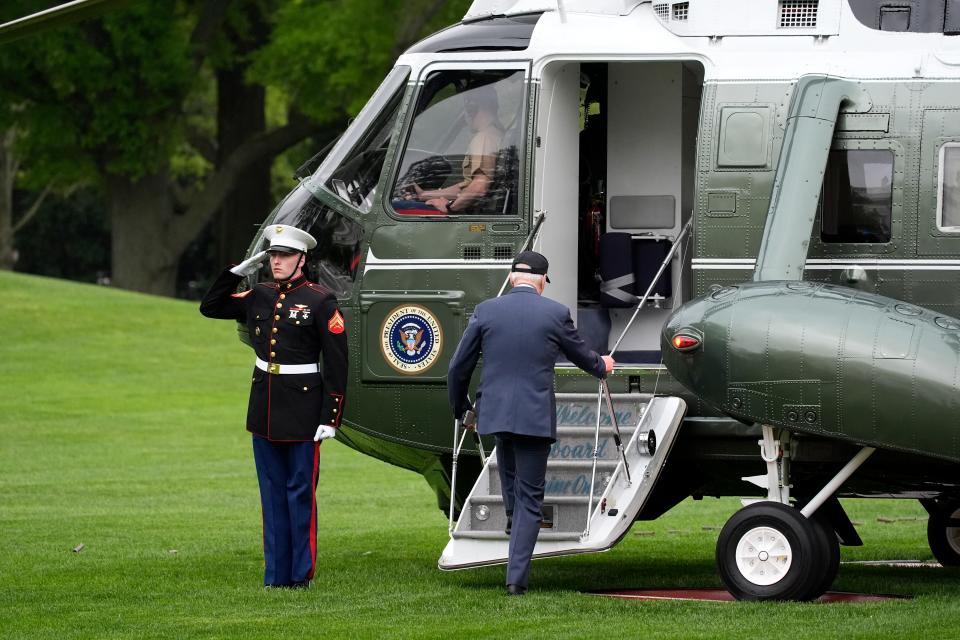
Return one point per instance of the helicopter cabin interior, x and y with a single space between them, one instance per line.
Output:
628 131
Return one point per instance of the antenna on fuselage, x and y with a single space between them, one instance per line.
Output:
561 11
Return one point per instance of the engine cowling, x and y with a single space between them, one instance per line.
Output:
823 359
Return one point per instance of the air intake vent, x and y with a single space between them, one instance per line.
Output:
798 14
662 11
502 251
472 252
681 10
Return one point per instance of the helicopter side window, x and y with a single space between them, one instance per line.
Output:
356 176
948 192
857 198
462 154
333 263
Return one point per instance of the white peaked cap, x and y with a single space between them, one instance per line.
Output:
283 237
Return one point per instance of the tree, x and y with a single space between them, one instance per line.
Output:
119 99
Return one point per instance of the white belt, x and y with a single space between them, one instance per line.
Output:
278 369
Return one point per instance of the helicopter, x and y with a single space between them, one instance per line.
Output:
754 205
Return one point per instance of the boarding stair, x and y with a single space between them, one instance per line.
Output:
648 427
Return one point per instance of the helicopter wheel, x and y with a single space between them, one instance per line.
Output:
769 551
944 538
829 552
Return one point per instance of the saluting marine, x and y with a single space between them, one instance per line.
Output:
293 407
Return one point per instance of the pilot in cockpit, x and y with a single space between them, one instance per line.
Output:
480 109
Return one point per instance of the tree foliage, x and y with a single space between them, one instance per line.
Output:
328 56
128 102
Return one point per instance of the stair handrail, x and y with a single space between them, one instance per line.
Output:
653 283
458 439
603 391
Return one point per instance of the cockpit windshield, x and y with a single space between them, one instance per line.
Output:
333 263
352 169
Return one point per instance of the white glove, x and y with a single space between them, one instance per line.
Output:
250 265
324 431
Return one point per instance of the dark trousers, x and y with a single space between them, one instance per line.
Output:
287 472
522 462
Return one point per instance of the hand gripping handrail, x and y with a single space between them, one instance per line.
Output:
603 392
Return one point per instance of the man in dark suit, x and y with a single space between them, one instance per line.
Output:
520 336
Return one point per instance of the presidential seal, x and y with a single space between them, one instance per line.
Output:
411 339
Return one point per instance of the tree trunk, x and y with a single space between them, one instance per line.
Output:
240 114
7 171
141 213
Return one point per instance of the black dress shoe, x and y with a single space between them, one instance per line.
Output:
509 525
516 590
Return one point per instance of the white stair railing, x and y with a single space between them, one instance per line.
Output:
603 392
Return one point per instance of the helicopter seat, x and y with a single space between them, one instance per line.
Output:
648 255
617 286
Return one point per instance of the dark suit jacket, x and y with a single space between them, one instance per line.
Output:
520 335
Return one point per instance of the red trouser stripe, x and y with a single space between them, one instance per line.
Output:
313 511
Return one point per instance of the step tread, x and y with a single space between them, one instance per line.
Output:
572 464
568 430
547 499
545 534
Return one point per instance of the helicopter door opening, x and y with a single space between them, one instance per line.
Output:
615 173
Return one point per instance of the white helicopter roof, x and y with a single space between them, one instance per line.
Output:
733 39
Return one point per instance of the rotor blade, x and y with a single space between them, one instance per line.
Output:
52 17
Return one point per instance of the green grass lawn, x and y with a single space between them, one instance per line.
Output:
121 423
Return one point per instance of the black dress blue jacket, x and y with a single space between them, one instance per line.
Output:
293 323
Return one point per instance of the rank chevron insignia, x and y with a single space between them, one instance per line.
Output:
336 324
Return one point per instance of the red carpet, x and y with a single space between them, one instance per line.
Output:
720 595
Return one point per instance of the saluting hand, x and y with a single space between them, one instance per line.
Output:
250 265
324 431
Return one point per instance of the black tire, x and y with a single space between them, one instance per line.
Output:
829 546
790 567
944 540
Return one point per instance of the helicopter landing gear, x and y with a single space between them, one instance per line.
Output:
770 550
943 532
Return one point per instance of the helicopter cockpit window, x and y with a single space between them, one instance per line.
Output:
357 171
463 153
333 263
857 199
948 194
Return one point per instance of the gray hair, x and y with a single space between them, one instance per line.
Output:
520 277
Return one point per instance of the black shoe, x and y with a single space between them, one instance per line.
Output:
516 590
509 525
303 584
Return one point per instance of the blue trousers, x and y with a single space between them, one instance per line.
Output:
523 470
287 473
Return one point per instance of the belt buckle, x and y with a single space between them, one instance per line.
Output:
273 368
